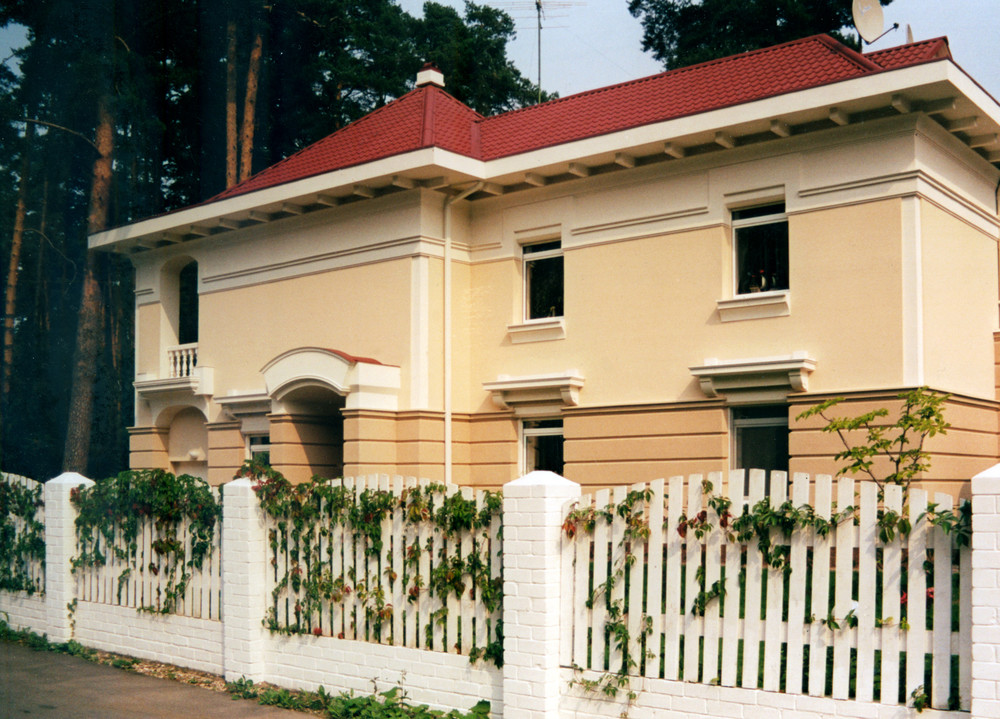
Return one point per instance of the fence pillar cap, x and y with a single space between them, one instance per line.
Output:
986 481
540 477
73 479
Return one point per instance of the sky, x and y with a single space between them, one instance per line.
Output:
587 44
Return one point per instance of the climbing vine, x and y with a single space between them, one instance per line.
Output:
112 512
617 634
22 536
309 517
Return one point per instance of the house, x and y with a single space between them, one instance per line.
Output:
648 279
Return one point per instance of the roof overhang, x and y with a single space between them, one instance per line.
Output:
938 88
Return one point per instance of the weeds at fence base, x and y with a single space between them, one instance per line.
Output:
390 704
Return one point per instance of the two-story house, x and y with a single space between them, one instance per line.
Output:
647 279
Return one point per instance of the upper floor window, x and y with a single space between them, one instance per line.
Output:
543 280
760 239
187 304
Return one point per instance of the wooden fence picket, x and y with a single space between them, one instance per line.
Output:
773 624
732 624
654 596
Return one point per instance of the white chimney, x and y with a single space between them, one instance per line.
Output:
430 75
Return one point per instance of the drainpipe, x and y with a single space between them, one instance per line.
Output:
449 201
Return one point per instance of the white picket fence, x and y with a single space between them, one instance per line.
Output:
140 580
409 613
831 625
33 569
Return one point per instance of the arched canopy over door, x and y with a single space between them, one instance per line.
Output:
365 383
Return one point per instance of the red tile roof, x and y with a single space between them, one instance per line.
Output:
430 117
911 54
424 117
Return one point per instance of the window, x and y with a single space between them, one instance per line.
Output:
187 331
543 280
543 445
760 239
259 448
760 436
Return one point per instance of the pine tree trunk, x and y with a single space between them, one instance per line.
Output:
231 137
13 273
89 326
250 107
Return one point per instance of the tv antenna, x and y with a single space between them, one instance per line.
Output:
869 20
541 11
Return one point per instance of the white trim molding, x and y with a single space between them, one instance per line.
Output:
531 395
541 330
757 379
365 383
755 306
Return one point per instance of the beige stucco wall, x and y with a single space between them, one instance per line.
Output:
959 274
359 310
640 313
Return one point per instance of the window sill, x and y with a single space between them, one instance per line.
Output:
543 330
755 306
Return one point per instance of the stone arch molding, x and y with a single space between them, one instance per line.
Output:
364 382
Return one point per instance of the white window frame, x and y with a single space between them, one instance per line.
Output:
737 225
735 424
527 432
252 446
528 256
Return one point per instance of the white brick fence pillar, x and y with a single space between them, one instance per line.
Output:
986 593
533 511
60 547
244 568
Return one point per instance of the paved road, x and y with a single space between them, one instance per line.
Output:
57 686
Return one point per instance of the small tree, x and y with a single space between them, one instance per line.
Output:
901 442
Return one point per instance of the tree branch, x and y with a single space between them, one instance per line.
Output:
64 129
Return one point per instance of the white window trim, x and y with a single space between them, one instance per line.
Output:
543 329
523 434
755 306
752 222
525 259
251 447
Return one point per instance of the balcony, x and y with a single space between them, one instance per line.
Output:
183 376
182 360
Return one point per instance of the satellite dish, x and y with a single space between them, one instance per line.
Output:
868 19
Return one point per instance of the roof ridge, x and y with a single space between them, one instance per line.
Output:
832 43
848 52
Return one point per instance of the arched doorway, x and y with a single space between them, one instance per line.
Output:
307 436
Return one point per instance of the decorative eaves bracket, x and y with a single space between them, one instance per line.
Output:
758 379
536 394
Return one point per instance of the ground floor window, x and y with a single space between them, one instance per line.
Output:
259 448
543 445
760 437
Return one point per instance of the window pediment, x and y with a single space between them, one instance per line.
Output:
755 379
536 394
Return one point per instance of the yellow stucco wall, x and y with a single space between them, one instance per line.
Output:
359 310
959 272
